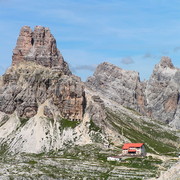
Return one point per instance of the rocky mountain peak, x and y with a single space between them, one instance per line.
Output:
107 65
166 62
39 46
40 74
157 98
108 69
119 85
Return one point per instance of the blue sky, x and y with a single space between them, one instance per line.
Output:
132 34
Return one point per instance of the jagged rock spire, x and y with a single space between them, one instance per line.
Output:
38 46
166 62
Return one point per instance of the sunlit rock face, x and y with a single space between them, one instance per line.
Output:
157 97
40 47
162 92
40 74
121 86
36 93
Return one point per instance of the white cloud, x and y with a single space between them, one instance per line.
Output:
176 49
83 67
127 60
149 56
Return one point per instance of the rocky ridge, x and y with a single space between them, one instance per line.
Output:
44 107
157 98
121 86
162 92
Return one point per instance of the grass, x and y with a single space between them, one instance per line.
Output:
94 127
32 162
4 120
133 110
143 163
3 149
96 137
155 139
134 162
40 155
65 123
23 121
82 161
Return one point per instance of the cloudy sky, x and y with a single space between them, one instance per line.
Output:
132 34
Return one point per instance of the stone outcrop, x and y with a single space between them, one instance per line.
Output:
28 86
40 47
157 98
40 77
162 92
119 85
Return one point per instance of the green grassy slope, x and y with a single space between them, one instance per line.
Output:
156 138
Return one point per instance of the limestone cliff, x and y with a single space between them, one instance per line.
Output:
43 106
27 86
39 73
119 85
39 46
162 91
37 93
157 98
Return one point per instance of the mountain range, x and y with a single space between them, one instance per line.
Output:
44 107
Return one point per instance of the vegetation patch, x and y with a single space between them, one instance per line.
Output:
23 121
4 120
78 162
3 149
142 163
32 162
65 123
156 139
96 137
133 110
94 127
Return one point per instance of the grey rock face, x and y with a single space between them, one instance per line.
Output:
162 91
97 111
39 46
157 98
39 73
27 86
119 85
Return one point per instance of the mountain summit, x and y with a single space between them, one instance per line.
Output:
166 62
38 46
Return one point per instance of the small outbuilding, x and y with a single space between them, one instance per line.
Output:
114 158
136 149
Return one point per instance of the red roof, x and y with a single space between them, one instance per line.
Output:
132 145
